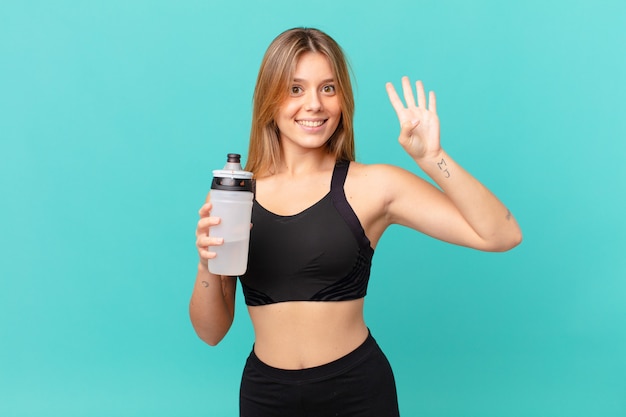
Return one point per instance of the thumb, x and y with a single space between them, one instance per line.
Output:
407 128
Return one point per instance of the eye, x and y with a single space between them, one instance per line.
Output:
295 90
329 89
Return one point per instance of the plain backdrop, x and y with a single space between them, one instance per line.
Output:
113 114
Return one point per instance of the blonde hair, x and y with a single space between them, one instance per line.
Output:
272 87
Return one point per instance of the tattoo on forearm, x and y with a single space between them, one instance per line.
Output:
508 215
443 168
205 284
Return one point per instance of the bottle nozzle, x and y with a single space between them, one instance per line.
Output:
233 162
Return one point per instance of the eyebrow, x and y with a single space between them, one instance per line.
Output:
327 80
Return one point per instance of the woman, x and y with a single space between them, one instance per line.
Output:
317 218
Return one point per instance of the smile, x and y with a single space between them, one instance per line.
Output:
311 123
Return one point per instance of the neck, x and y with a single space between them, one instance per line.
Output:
304 163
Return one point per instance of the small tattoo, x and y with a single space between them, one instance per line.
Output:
508 215
205 284
442 167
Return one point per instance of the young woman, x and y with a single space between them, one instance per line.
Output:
317 218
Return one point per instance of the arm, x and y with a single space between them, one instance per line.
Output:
212 304
463 211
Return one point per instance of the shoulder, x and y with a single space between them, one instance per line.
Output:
383 184
392 184
383 194
359 169
381 175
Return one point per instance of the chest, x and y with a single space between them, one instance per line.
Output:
296 257
290 197
317 240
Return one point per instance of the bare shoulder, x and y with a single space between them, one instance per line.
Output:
385 178
372 172
375 191
364 185
378 169
363 178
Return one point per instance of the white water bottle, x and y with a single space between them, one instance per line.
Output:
231 196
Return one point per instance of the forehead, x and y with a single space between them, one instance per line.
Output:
313 65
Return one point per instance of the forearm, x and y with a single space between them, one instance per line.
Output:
482 210
211 307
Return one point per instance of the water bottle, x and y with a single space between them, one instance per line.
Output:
231 196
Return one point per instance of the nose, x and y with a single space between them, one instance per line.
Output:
313 102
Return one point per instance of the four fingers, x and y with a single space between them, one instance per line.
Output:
203 240
409 97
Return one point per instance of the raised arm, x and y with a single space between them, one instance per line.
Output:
463 211
212 304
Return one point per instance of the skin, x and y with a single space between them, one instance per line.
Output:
297 335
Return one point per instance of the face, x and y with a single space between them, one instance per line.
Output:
310 114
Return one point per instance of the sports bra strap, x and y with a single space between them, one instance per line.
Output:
340 173
338 197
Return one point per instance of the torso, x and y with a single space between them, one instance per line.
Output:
303 334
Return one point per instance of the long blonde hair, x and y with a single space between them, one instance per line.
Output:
272 87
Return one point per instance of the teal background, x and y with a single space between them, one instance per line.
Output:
113 114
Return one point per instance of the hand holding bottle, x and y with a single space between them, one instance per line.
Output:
203 241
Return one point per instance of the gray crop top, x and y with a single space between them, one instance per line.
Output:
319 254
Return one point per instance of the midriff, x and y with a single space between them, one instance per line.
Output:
304 334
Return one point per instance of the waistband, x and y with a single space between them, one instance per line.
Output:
321 372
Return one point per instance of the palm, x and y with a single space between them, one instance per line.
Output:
420 124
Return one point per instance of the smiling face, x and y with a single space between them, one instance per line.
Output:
310 114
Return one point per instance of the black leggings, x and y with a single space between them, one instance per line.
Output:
360 384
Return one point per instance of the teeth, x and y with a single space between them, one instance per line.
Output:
309 123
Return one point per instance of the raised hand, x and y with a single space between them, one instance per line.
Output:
419 134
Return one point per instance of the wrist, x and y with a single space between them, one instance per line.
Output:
438 166
431 158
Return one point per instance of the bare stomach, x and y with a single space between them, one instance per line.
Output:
304 334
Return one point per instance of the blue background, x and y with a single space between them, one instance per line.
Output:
113 114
